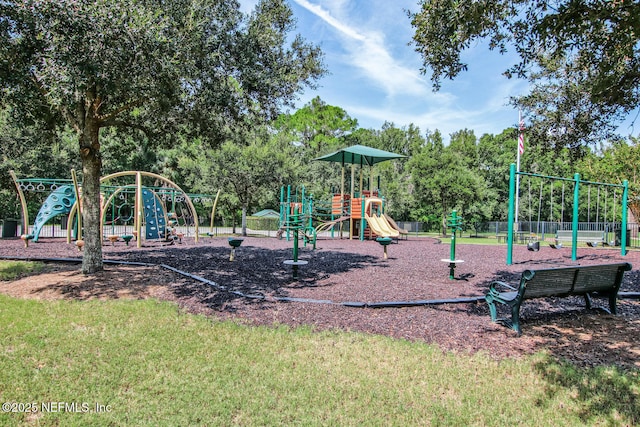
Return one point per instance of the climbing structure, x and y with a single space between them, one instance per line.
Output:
59 202
131 201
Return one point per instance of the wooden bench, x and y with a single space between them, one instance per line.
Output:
602 280
591 237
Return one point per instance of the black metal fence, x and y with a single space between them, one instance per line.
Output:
548 229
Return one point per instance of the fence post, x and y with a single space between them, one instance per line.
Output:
574 226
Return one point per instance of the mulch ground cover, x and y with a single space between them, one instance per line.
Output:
259 288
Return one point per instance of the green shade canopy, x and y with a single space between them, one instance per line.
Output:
359 155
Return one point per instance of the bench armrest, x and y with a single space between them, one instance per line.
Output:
496 288
495 283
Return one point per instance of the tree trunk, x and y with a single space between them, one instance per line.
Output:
91 218
244 220
233 221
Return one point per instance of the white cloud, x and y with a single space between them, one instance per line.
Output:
444 112
445 120
367 50
326 16
374 74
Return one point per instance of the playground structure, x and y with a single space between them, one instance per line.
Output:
296 215
364 214
140 205
363 210
611 230
301 217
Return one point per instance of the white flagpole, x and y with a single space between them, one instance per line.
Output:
519 149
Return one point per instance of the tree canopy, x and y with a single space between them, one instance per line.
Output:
200 67
587 53
317 126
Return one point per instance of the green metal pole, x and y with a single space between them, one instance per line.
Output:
511 215
623 235
296 216
574 225
454 223
282 212
295 235
311 211
288 215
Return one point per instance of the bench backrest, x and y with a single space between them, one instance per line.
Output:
572 280
594 235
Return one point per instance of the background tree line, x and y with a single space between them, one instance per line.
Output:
467 173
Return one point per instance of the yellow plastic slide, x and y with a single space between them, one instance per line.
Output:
380 226
387 227
394 225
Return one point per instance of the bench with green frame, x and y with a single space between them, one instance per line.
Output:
591 237
602 280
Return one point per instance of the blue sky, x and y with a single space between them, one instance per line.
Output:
374 74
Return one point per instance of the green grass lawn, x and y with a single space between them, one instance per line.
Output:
145 362
466 240
11 270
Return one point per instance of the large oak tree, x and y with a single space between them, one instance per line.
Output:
191 66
